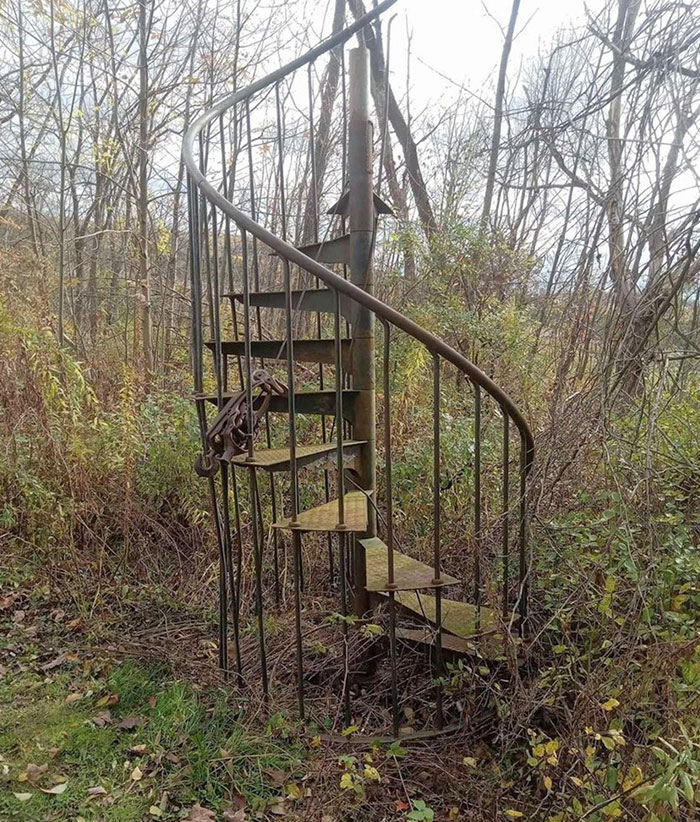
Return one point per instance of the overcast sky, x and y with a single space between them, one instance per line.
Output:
459 39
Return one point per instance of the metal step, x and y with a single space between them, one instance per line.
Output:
426 636
325 517
305 402
319 351
458 618
409 574
277 459
308 299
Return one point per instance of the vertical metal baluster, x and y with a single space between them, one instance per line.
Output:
224 528
258 317
505 504
231 285
228 254
229 566
234 586
211 268
344 169
239 535
198 371
477 504
253 485
294 521
524 569
228 184
436 535
391 584
339 413
315 212
342 559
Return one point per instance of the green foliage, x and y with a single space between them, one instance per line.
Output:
74 459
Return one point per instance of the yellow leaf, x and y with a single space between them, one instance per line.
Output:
57 790
137 774
316 742
547 783
610 705
470 761
371 773
513 814
346 782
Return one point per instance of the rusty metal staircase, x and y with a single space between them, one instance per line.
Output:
252 283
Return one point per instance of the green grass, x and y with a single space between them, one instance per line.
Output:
197 749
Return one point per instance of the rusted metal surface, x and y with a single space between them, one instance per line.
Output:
459 618
326 517
409 573
230 432
230 245
279 459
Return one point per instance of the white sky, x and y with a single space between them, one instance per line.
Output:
461 40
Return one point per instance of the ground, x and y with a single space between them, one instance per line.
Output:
114 725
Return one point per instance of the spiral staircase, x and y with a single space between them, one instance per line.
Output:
284 326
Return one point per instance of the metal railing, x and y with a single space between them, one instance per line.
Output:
217 256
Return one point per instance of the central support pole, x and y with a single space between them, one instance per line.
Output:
361 214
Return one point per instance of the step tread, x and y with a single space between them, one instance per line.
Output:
305 350
426 636
325 517
409 573
296 292
458 618
272 457
326 392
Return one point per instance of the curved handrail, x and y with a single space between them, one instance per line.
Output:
385 312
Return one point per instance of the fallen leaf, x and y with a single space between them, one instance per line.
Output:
199 814
7 601
109 701
137 774
278 809
130 722
73 698
174 758
58 614
57 790
102 719
610 705
18 616
35 772
470 761
231 815
139 750
401 805
53 752
55 663
74 624
236 802
277 776
155 811
23 797
97 790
